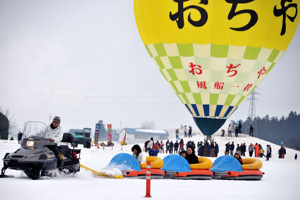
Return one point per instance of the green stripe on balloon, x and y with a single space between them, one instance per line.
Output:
197 98
160 49
186 100
159 62
172 74
185 85
174 87
149 51
176 62
240 101
185 50
219 51
273 55
251 53
214 99
229 99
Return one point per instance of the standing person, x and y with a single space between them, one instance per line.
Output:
236 131
177 133
217 149
261 151
171 146
238 148
200 149
227 148
145 145
251 129
137 153
269 150
251 149
191 157
167 146
155 149
54 133
212 149
231 148
240 127
243 149
190 131
158 143
20 134
150 147
229 130
176 147
208 148
188 144
222 133
198 144
162 150
282 152
193 144
256 148
181 145
185 131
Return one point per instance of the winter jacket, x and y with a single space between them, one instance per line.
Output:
140 157
232 147
282 152
150 144
185 129
251 148
156 146
192 158
256 150
167 145
217 149
240 160
171 145
176 145
54 133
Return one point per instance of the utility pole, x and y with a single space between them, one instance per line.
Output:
252 110
252 106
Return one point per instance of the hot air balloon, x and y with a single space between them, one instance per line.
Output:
215 52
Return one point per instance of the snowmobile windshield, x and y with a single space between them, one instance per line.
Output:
34 129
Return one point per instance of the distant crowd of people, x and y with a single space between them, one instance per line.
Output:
237 130
187 131
210 148
255 150
204 148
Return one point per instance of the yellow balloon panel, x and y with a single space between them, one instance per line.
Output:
216 21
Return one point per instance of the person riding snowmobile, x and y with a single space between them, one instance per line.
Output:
54 133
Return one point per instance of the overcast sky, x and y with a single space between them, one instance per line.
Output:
85 61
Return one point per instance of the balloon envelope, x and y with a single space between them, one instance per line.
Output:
215 52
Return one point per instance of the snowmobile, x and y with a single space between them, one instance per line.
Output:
36 159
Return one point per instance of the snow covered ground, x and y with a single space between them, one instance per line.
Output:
281 179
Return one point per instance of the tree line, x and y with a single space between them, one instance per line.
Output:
285 130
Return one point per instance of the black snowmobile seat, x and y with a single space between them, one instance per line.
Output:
65 150
68 137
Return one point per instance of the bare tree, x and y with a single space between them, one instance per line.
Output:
148 125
